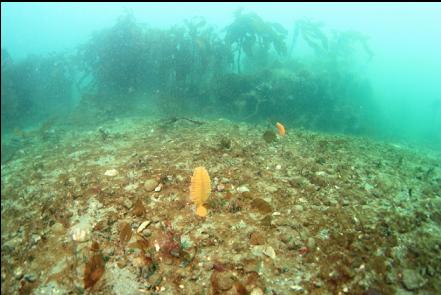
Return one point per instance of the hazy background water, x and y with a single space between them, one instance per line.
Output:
405 37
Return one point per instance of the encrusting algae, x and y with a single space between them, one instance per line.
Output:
200 189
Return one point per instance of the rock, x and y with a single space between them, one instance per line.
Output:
150 184
127 203
224 281
18 273
158 188
298 207
251 265
35 238
111 172
310 243
146 233
257 238
131 187
256 291
271 189
261 205
57 228
243 189
179 178
109 252
269 251
30 277
412 279
266 221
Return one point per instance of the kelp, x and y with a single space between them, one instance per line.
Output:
312 33
249 32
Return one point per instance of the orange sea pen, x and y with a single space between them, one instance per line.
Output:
281 129
200 189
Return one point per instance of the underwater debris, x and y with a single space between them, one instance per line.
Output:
200 189
269 136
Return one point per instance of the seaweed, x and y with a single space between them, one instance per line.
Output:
94 268
249 33
138 208
125 233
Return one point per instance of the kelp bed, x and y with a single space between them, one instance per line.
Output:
107 211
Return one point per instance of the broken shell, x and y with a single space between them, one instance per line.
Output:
143 226
243 189
158 188
111 172
79 235
220 187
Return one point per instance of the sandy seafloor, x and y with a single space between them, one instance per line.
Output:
107 211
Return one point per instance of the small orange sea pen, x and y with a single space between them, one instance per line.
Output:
281 129
200 189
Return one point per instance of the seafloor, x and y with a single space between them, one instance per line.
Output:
107 211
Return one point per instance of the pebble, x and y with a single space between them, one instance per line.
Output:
111 172
298 207
256 291
127 203
257 238
269 251
224 280
30 277
278 167
243 189
150 184
18 273
311 243
271 188
35 238
57 228
109 252
146 233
